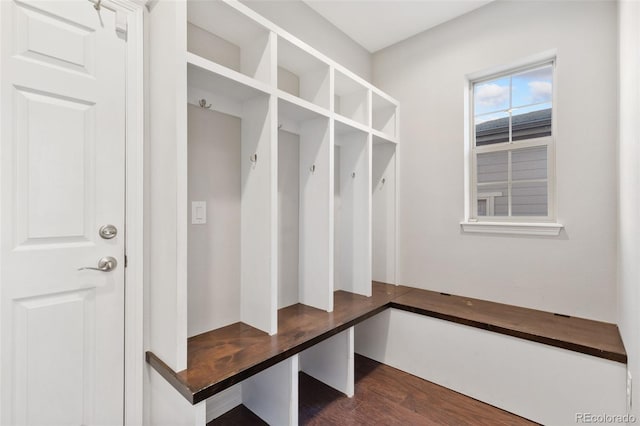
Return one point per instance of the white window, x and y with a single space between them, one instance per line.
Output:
512 146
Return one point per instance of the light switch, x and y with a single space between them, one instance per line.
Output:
198 212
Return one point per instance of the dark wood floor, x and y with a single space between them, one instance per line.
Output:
384 396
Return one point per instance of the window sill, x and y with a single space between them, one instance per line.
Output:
543 228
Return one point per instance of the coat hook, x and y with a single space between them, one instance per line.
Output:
313 168
353 175
383 181
97 5
203 104
253 158
279 126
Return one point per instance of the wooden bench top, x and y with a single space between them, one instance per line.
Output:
223 357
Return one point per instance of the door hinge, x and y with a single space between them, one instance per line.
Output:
126 261
121 22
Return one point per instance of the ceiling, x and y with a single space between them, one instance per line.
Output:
376 24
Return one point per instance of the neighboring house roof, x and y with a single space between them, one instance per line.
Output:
525 126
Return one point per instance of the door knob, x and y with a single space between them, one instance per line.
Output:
106 264
108 232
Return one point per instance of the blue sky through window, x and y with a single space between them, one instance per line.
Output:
527 91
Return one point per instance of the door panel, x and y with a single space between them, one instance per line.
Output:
41 218
62 139
60 328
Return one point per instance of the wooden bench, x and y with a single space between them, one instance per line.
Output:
221 358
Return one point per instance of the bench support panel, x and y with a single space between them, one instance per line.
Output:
273 393
331 362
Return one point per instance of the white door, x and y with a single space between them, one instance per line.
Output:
62 178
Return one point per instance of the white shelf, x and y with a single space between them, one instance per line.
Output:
292 100
229 37
210 76
345 125
379 137
292 113
224 89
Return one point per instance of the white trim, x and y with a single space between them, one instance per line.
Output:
396 196
134 220
530 61
516 228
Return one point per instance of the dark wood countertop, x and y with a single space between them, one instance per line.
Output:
223 357
596 338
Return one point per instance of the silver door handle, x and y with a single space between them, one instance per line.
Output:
106 264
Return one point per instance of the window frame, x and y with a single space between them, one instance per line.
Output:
473 151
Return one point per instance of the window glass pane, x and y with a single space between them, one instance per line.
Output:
491 96
531 122
532 87
492 167
482 207
529 163
529 199
492 128
492 200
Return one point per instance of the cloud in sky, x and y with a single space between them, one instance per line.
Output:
540 91
492 95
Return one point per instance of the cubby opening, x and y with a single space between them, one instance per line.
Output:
220 33
352 210
351 99
271 396
304 200
384 114
383 200
230 230
302 74
331 362
213 252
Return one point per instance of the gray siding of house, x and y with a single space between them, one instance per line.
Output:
527 198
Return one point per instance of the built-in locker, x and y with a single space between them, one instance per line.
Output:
232 176
383 200
305 240
277 187
352 210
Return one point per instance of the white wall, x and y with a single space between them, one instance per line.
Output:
305 23
573 274
629 195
